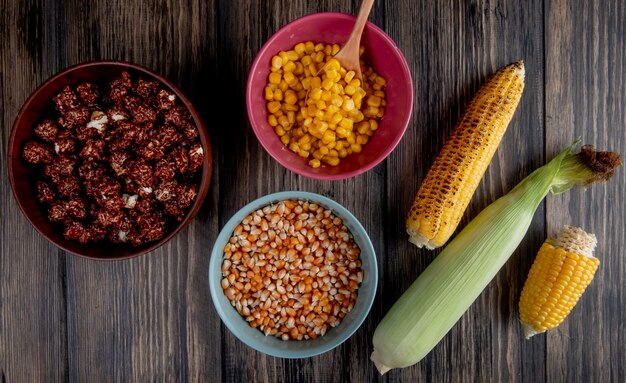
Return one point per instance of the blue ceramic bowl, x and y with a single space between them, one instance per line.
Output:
302 348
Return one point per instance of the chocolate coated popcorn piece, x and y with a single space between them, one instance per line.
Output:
45 192
69 186
151 149
165 169
169 136
93 150
166 191
62 165
76 231
74 117
88 93
65 100
77 208
177 116
36 153
174 210
47 130
186 194
91 170
196 156
131 103
165 100
146 88
120 87
57 212
65 142
97 233
119 162
108 218
190 131
143 113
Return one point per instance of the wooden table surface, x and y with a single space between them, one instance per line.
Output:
64 318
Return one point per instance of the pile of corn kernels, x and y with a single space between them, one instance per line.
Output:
318 108
292 270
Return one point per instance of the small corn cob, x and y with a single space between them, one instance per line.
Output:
461 164
563 269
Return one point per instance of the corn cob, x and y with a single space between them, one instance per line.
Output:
455 278
461 164
563 269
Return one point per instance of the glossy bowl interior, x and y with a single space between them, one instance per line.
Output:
22 175
303 348
382 54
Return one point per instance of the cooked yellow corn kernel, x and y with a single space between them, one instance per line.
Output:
271 119
315 163
279 130
315 103
309 46
291 98
274 78
278 95
329 136
277 62
299 49
362 139
373 101
346 123
327 84
273 106
290 78
289 66
283 86
283 121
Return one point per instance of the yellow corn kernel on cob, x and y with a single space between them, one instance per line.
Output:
461 164
563 269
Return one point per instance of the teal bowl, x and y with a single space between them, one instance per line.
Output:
295 348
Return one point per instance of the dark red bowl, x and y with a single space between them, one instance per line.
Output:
21 174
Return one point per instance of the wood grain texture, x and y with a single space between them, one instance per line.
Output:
151 318
33 334
586 97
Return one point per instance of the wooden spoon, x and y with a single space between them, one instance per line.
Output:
348 56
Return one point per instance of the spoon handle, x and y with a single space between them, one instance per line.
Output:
364 11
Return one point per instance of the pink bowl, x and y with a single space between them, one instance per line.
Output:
386 59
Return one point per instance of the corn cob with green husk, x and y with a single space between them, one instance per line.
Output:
457 276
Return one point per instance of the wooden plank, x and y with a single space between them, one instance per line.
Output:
32 272
585 96
150 318
451 50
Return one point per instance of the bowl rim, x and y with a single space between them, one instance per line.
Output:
217 256
393 143
207 166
